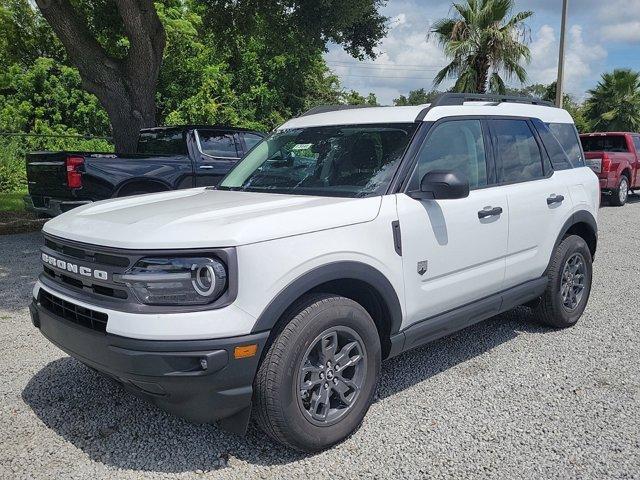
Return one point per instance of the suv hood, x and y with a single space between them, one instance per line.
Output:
204 218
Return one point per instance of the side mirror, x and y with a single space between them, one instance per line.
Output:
442 185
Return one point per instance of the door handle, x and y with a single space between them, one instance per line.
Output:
206 167
490 212
555 199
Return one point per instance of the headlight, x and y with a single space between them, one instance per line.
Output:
177 281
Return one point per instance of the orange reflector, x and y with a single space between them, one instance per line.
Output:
245 351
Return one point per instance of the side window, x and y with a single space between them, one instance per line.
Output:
217 144
251 139
567 136
519 156
557 156
636 142
454 145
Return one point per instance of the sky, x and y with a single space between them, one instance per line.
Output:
602 35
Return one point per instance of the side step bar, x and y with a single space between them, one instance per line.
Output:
449 322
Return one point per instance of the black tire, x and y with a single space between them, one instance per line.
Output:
620 194
552 310
278 403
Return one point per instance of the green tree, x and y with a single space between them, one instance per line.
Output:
416 97
118 47
614 104
483 41
355 98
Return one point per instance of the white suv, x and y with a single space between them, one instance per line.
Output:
346 237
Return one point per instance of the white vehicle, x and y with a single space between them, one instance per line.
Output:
344 238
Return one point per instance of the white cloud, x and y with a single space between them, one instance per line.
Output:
582 64
409 60
406 59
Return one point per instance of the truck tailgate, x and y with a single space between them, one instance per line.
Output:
47 174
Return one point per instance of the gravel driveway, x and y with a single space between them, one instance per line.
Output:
505 398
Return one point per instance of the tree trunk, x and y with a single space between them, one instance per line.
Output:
482 67
126 87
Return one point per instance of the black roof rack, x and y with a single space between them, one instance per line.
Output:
331 108
452 99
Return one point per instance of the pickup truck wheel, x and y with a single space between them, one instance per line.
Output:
318 377
619 195
569 284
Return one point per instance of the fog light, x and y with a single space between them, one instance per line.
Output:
203 363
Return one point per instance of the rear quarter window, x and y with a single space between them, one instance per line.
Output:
567 136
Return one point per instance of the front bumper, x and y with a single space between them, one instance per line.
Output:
168 373
50 206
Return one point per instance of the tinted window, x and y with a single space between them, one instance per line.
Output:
251 139
636 141
454 145
217 144
567 136
163 141
518 151
336 160
557 156
604 143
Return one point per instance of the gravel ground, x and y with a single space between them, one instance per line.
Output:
505 398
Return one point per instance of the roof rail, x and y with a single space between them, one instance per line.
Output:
330 108
453 98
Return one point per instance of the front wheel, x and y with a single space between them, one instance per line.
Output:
568 284
319 375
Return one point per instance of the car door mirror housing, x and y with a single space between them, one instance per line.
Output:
442 185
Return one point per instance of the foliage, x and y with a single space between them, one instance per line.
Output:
354 98
47 98
483 41
614 104
416 97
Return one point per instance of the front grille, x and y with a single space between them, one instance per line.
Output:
74 313
68 280
86 254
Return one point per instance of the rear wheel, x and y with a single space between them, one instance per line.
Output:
619 195
568 284
318 377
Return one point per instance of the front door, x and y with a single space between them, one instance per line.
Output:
453 251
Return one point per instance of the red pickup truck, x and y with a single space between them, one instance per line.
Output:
615 157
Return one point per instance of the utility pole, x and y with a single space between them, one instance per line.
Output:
563 28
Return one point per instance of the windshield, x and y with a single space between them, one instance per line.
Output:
342 160
162 141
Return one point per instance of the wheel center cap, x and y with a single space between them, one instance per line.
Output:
330 374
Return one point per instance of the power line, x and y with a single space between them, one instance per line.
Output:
372 63
394 67
386 76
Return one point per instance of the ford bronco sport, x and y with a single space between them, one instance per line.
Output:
344 238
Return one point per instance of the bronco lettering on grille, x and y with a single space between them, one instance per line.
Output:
74 268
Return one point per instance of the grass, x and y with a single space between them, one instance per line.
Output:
12 202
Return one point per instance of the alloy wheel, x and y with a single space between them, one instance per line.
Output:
331 375
572 282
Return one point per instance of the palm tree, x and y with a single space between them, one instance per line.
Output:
482 41
614 105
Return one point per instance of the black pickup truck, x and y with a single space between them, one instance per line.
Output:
167 158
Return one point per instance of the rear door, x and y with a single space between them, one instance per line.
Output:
452 254
218 152
539 201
